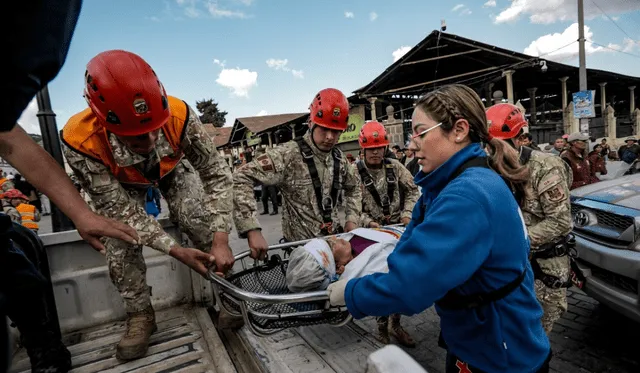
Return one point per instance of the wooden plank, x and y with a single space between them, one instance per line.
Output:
342 348
241 353
219 356
285 352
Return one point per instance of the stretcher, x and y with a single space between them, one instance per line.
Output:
259 294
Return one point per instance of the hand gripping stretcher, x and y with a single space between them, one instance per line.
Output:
259 294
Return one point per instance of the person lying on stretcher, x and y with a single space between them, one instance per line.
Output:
361 252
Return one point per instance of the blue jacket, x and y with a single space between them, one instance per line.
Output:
472 239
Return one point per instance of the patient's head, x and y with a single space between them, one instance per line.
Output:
342 253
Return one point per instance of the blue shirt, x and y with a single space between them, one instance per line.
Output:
472 238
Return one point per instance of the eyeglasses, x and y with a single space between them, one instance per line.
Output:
413 137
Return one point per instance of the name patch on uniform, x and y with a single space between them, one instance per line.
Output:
265 163
556 194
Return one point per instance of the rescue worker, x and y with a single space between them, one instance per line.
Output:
389 195
9 209
466 248
576 158
29 215
6 184
546 209
310 172
132 137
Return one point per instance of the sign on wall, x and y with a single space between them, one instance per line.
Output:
353 130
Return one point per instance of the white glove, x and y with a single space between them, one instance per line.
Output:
336 293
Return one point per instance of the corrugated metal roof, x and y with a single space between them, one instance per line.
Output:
262 123
220 135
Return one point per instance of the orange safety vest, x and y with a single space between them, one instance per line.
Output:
84 134
28 213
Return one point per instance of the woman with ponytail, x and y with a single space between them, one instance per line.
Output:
466 248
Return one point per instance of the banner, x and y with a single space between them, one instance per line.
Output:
584 104
353 130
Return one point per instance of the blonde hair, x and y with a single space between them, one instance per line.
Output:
456 101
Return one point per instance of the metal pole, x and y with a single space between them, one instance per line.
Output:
51 141
584 122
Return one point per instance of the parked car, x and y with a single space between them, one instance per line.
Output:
606 218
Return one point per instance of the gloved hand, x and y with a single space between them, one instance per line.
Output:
336 293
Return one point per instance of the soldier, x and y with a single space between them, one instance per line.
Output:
547 213
132 137
388 198
8 207
310 172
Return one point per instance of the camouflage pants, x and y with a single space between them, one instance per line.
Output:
383 321
185 196
553 302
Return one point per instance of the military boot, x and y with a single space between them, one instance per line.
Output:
398 332
135 341
383 330
47 354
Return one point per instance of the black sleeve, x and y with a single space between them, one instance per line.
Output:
37 34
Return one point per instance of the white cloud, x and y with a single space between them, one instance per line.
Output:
398 53
202 8
563 46
218 62
262 113
550 11
29 120
490 4
239 81
373 16
461 9
281 64
277 64
349 15
218 12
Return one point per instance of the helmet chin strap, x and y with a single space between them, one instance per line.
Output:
314 141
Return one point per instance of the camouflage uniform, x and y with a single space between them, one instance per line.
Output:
284 167
547 214
7 185
11 211
371 211
198 192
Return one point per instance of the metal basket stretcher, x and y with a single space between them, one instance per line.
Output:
259 294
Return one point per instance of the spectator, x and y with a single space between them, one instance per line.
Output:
576 158
630 151
597 163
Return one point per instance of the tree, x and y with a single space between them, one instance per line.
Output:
211 113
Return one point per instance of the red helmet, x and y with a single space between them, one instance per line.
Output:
373 135
330 109
125 94
15 193
505 121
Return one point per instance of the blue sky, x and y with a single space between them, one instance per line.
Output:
234 51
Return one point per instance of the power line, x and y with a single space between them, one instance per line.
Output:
611 19
555 50
614 49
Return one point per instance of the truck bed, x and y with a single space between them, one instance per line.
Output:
186 341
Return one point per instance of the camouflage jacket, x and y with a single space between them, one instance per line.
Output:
111 199
284 167
547 209
11 211
371 211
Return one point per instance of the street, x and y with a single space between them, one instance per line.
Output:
588 338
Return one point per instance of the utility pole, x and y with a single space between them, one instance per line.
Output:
51 142
584 122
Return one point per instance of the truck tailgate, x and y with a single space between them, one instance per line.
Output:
186 341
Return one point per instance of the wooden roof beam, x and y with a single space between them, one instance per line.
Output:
442 57
443 79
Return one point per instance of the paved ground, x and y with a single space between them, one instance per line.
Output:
588 338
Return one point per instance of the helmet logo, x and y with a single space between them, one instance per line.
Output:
375 135
140 106
336 111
